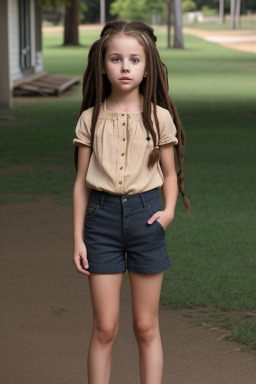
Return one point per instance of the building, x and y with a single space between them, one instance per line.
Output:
21 44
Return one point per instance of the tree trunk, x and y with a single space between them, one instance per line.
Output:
168 11
178 33
221 12
102 12
238 10
232 14
71 23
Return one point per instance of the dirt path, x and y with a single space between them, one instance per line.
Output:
240 40
46 315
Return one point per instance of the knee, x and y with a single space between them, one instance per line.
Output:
105 332
145 330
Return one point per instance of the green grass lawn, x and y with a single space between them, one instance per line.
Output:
213 254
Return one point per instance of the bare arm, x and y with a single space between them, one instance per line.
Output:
80 200
169 187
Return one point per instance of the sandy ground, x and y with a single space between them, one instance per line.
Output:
46 315
237 39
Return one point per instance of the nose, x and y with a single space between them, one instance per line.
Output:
125 66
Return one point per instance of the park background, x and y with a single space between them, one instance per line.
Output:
213 253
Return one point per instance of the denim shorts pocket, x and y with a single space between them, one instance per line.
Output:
155 206
91 208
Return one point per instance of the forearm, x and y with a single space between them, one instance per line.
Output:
81 196
170 194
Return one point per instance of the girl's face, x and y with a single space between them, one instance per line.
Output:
124 63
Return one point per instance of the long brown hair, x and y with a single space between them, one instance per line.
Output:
154 87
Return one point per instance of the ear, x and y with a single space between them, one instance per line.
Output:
103 70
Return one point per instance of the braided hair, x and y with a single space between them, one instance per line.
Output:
154 88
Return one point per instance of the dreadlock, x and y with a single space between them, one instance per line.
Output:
154 87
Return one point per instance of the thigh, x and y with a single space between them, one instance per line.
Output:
145 291
105 294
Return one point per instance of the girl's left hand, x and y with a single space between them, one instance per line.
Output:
165 218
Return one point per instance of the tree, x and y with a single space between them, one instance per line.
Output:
140 10
129 9
188 6
143 9
221 12
92 10
71 18
178 32
232 14
102 12
235 9
71 23
169 11
238 10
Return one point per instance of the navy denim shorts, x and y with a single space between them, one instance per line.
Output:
118 237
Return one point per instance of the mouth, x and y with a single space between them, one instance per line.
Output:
125 78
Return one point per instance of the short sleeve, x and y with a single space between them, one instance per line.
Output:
167 128
83 131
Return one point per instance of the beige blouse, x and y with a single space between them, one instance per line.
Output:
118 163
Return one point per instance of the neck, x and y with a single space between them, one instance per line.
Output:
125 102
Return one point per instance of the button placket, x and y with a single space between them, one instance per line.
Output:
122 122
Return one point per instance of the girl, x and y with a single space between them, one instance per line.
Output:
126 135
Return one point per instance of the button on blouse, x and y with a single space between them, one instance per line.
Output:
118 163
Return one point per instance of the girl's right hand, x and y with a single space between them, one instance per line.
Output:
80 257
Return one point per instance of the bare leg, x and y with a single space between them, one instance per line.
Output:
105 294
145 304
